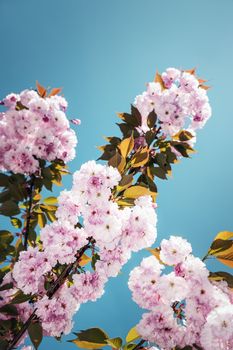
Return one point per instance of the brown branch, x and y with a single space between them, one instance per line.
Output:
139 345
52 290
65 273
29 214
22 330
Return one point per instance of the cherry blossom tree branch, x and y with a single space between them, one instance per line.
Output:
29 212
139 345
52 290
24 328
65 273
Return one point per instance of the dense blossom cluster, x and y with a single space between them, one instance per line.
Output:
33 128
185 307
179 101
116 232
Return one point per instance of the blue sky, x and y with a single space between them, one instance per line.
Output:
102 53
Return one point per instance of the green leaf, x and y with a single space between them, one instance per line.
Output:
35 332
151 119
222 276
113 140
93 338
159 172
140 158
4 180
182 148
6 286
95 335
117 161
220 245
51 216
5 196
16 222
183 136
9 208
95 258
20 297
150 136
6 237
115 343
9 310
20 106
125 182
136 115
129 346
50 200
47 183
3 344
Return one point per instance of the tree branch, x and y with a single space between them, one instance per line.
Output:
29 214
22 330
139 345
52 290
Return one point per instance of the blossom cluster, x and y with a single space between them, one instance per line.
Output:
32 128
185 306
179 100
87 211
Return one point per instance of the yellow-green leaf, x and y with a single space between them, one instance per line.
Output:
125 202
132 335
183 136
222 242
57 182
156 253
115 343
138 191
51 216
224 235
140 158
50 200
86 345
92 338
48 207
16 222
41 220
126 146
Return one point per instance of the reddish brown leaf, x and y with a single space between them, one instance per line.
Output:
191 71
55 91
41 90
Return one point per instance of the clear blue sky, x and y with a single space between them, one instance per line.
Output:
102 53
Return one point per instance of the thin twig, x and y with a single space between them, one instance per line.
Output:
139 345
29 214
65 273
22 330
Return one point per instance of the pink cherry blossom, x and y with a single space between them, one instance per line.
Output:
34 128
